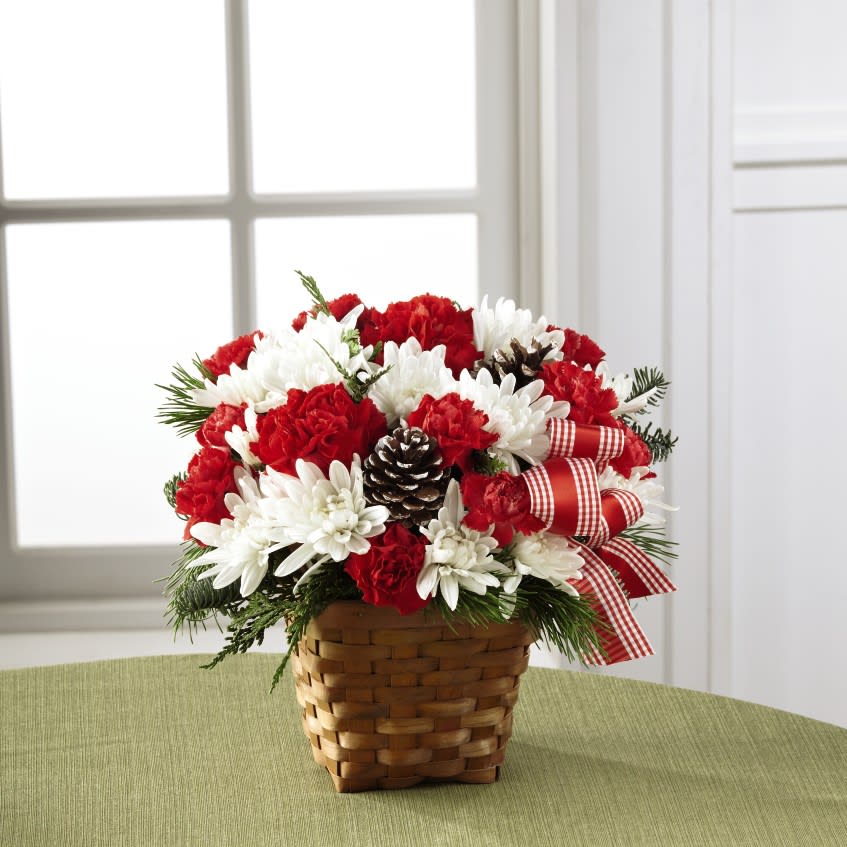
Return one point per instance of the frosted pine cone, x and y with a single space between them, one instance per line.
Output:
405 474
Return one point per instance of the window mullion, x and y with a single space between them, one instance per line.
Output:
241 208
497 184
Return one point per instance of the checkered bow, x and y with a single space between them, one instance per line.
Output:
565 494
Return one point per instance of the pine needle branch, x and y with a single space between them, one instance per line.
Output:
652 542
560 620
648 379
180 409
659 442
192 601
170 489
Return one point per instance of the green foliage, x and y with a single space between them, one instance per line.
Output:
560 620
658 441
489 464
184 592
198 599
567 623
648 379
652 542
358 388
171 487
275 601
179 409
311 286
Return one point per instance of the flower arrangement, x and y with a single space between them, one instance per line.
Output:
478 463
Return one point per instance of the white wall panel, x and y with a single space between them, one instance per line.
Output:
621 153
787 391
790 54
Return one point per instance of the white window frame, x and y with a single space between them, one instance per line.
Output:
48 588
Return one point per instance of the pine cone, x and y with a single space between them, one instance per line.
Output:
405 474
524 363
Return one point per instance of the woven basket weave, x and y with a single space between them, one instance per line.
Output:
390 701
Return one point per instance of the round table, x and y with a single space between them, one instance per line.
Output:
155 751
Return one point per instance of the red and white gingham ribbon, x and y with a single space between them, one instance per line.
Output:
569 439
639 574
622 637
564 495
619 509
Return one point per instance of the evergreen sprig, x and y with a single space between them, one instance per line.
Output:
567 623
185 611
652 542
357 387
488 464
170 489
659 442
248 624
648 379
311 286
180 409
275 601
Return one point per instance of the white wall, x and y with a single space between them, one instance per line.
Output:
710 229
789 307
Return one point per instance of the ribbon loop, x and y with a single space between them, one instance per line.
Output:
569 439
619 510
565 496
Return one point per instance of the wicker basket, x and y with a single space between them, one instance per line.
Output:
390 701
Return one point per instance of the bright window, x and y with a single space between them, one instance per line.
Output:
164 168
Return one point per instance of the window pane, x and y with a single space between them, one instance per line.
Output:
99 313
369 95
382 259
105 99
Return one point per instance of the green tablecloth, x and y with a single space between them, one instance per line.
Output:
157 752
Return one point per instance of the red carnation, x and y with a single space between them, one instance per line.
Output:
457 426
319 426
636 454
234 353
338 308
590 402
433 321
388 573
220 422
200 497
502 500
581 349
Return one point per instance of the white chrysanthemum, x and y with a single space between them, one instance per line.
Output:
621 384
518 418
239 440
546 556
456 556
414 373
241 544
288 359
328 518
308 358
238 386
495 328
648 491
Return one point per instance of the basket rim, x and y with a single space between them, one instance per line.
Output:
356 614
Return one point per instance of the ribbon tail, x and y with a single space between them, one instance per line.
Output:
641 576
621 636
